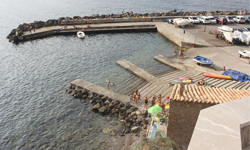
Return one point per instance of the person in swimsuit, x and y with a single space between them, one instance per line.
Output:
152 102
136 99
134 95
131 98
139 96
108 85
159 100
146 102
163 107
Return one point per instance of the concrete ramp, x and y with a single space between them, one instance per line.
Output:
168 62
138 71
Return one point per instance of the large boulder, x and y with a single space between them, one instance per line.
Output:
129 111
96 107
135 129
133 108
128 105
124 109
122 115
102 110
78 94
107 102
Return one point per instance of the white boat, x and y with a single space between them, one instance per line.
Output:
243 38
229 36
244 53
247 33
225 29
80 34
182 22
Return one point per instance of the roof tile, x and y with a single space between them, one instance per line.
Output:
213 95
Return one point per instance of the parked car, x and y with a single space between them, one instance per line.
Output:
229 19
221 20
247 19
240 19
247 29
212 19
204 20
193 19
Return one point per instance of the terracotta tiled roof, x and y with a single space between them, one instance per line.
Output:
213 95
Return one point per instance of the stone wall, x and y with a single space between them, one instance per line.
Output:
182 119
245 136
169 36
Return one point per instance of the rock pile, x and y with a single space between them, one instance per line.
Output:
132 118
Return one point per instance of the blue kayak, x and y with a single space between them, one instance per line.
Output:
203 60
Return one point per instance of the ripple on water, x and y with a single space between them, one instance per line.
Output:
34 104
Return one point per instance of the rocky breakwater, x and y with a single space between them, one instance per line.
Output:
133 119
16 35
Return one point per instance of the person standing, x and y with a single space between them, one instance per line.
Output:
163 107
180 54
245 12
108 85
146 102
139 95
152 102
159 100
131 98
241 12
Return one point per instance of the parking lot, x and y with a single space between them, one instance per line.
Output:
203 32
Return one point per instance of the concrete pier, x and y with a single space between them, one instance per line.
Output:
138 71
174 34
99 90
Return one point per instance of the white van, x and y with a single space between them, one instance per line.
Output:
204 20
240 19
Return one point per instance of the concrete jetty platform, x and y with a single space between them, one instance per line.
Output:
174 34
138 71
177 35
99 90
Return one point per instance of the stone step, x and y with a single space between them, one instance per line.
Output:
130 85
150 88
153 91
144 87
245 85
134 87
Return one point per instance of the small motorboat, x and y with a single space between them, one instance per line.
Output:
244 53
80 34
202 60
182 22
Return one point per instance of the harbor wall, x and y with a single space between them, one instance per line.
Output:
169 35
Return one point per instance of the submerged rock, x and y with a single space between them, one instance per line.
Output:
106 130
